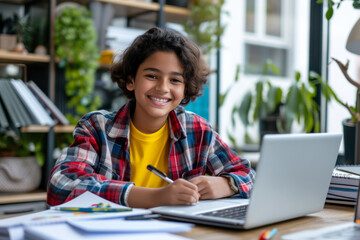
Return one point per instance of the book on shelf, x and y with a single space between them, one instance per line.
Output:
24 104
8 105
32 104
55 112
4 123
22 111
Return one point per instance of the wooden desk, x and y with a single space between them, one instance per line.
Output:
330 215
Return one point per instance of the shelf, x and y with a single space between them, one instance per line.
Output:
126 8
64 129
7 198
13 57
35 129
44 129
16 1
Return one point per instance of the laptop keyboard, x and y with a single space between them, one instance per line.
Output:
233 213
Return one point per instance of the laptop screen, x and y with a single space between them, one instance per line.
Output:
357 208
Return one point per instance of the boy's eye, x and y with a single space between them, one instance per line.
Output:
175 80
151 76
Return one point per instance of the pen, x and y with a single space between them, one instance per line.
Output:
90 209
271 234
263 235
267 235
143 217
159 173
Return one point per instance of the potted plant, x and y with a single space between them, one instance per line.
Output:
23 30
349 124
203 24
75 45
21 158
267 104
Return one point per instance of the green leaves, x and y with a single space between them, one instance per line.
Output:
75 42
203 25
266 99
23 144
330 11
244 109
301 106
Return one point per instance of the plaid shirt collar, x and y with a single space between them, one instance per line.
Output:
119 127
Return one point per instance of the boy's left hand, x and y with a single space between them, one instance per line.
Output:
211 187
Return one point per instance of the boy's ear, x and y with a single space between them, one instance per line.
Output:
130 84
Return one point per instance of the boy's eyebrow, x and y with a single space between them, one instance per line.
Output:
157 70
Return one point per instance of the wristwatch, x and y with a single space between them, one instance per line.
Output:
232 183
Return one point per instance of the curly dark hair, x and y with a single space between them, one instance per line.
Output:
157 39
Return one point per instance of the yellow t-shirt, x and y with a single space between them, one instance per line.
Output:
148 149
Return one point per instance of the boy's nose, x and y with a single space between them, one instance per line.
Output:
163 85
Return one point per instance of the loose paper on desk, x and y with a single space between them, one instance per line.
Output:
8 226
61 231
84 200
130 226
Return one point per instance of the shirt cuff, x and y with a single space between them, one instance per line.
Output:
127 194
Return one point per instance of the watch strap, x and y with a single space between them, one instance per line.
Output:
232 183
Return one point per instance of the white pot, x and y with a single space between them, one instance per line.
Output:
19 174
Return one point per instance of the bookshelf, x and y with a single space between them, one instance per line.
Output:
147 11
129 9
12 57
22 197
14 204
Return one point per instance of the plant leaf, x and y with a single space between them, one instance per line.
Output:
244 109
274 98
259 86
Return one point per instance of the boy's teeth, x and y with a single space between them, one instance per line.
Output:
159 99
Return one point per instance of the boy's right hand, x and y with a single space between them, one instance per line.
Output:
180 192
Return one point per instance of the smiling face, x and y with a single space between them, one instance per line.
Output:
159 87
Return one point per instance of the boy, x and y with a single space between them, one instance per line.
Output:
158 73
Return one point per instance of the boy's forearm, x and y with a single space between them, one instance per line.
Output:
141 197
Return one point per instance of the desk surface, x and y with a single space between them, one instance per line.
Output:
330 215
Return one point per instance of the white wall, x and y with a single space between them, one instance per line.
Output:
341 24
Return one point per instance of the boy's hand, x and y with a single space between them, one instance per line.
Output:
180 192
211 187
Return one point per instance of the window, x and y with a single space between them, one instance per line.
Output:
266 35
256 31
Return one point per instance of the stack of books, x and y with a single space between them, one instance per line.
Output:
344 185
24 104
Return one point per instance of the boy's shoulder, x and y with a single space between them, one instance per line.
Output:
186 117
99 114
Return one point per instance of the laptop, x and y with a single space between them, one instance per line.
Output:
346 231
292 179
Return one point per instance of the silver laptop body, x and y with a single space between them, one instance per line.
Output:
292 180
346 231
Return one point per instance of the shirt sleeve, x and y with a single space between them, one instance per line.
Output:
86 166
224 161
